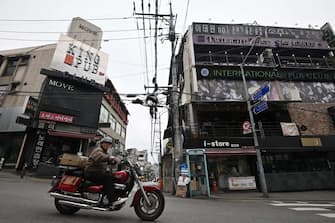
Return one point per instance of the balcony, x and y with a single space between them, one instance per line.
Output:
233 129
305 62
266 60
225 59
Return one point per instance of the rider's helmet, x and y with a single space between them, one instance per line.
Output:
107 139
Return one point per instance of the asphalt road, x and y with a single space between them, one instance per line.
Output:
26 200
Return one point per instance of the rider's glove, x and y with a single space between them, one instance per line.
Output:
114 160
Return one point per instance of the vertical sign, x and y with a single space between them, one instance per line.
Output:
41 135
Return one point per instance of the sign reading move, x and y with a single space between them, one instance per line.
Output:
79 59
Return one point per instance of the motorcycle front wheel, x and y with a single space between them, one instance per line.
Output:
65 209
150 212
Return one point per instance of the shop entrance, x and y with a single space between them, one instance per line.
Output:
229 173
197 163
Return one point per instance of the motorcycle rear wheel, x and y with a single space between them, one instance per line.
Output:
154 210
65 209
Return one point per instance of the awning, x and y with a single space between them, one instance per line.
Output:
229 152
77 135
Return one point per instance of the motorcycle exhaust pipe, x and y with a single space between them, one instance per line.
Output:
79 205
72 199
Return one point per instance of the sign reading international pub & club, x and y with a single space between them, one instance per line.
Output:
222 72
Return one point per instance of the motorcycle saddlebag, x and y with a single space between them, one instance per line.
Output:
69 183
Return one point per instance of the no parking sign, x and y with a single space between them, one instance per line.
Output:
246 127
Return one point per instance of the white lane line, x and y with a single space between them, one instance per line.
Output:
329 215
277 202
303 205
310 209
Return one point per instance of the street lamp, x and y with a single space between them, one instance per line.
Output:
251 116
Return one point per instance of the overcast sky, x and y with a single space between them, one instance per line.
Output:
127 66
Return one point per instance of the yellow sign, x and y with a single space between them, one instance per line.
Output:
311 142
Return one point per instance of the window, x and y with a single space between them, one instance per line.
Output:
13 63
123 132
103 114
112 121
118 128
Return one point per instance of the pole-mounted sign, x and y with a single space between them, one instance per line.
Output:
261 92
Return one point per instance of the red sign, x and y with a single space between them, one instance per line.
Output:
55 117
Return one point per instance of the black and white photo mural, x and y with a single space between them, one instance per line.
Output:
233 90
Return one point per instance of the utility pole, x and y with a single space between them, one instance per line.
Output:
251 117
177 153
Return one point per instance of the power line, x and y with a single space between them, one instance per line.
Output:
63 20
53 40
57 32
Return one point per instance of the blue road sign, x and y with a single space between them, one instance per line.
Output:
261 92
262 106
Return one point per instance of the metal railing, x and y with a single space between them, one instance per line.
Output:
225 59
234 129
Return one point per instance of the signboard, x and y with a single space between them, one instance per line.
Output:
55 117
246 126
80 60
222 72
289 129
195 151
242 183
78 103
41 137
261 92
86 32
202 39
259 107
219 144
183 168
255 30
311 142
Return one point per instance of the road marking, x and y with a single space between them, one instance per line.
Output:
310 209
329 215
301 204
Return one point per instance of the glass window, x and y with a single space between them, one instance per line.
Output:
12 63
118 128
103 114
123 132
112 121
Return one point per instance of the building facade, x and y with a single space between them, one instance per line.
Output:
56 99
290 75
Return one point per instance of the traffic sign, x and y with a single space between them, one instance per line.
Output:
259 107
261 92
246 127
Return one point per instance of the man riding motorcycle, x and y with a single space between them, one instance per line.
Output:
96 169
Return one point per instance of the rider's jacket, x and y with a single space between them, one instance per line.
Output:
97 161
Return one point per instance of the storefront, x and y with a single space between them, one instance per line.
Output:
222 170
296 170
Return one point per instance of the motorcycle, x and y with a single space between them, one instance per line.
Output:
73 192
